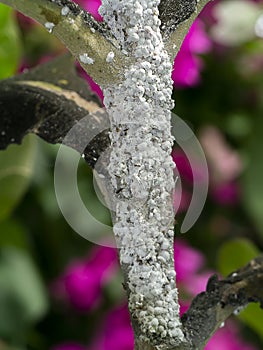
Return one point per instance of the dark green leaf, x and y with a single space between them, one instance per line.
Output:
16 168
253 175
23 298
235 254
13 234
9 42
253 317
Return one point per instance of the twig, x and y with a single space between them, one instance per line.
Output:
88 40
177 17
209 310
53 99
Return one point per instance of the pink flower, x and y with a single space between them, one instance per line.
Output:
228 338
94 87
187 64
187 173
183 165
117 332
225 166
82 282
226 193
188 261
188 265
225 163
92 7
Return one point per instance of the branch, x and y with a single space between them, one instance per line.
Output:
177 17
89 41
210 309
53 99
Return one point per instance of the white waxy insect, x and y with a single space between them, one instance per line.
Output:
49 26
110 57
84 58
65 11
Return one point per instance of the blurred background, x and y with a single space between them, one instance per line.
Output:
60 292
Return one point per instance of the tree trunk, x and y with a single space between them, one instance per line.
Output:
141 170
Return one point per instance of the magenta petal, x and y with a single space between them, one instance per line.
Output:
187 65
117 333
92 7
187 260
83 287
197 284
198 40
226 193
186 70
228 338
82 282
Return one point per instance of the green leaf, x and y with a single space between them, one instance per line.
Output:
14 234
9 42
113 288
238 125
16 168
252 189
252 316
23 298
235 254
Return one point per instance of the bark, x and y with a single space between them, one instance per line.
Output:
89 41
141 170
176 17
48 101
209 310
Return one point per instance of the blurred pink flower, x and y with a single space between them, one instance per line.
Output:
226 193
224 163
187 64
68 346
207 14
82 282
117 332
228 338
92 7
186 174
188 265
182 164
181 195
94 87
225 166
188 261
